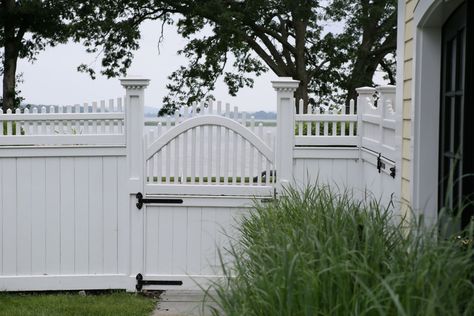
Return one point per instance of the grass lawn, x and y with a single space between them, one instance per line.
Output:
71 303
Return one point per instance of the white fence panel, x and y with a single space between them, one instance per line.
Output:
379 121
62 217
336 167
323 143
185 243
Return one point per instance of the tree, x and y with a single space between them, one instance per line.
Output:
18 80
369 38
288 37
282 36
27 27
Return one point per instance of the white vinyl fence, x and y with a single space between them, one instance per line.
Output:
64 206
90 202
356 152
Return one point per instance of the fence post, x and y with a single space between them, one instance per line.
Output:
134 121
285 132
365 96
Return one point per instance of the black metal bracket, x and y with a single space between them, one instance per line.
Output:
380 164
141 282
393 172
142 201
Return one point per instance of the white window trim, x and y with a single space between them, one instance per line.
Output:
429 17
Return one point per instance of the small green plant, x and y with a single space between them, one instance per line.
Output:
230 180
13 129
318 252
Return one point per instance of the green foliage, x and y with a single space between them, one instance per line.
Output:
235 40
230 180
28 27
5 129
319 252
373 26
64 304
47 21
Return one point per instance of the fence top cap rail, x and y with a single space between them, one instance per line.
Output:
285 83
134 83
386 88
366 90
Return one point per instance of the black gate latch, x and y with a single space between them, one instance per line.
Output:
141 282
142 201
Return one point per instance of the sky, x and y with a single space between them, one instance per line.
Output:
53 78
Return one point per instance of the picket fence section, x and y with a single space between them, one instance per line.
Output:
210 147
334 128
85 124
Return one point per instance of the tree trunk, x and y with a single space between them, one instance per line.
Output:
302 94
9 76
300 62
11 50
361 76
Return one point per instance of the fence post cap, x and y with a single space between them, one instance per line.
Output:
285 84
386 88
363 90
134 83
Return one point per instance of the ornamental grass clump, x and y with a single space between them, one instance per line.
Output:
318 252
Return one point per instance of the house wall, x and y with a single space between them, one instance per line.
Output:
408 44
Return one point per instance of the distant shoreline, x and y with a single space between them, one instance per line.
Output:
153 121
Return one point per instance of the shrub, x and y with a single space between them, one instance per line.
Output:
318 252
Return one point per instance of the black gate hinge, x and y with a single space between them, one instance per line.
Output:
139 205
141 282
393 172
380 164
142 201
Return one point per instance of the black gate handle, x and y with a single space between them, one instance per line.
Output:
142 201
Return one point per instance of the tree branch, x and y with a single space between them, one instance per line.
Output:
389 71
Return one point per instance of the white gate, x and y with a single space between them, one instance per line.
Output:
380 140
202 173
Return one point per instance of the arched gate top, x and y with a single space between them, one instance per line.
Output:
209 120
